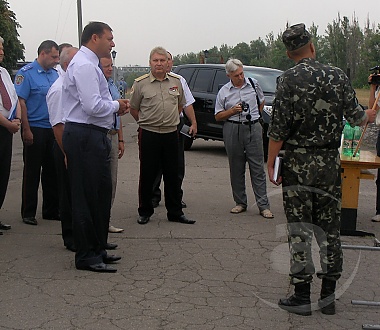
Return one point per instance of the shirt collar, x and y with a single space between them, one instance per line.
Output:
40 69
90 55
230 85
153 78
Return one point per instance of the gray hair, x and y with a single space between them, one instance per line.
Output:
233 64
1 40
158 50
66 55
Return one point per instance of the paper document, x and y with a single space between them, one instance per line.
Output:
277 168
185 130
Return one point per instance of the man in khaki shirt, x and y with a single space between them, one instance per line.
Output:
156 102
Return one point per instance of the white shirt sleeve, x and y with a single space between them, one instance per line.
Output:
189 98
92 97
54 103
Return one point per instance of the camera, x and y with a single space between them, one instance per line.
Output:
375 75
244 106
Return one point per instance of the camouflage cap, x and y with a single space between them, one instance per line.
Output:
295 37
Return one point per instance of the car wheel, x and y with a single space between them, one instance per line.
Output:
187 143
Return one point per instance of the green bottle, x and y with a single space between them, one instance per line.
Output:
348 135
356 139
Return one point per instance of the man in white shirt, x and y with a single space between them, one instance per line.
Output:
88 115
54 102
10 114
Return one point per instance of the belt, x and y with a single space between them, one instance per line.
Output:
112 131
90 126
330 146
248 122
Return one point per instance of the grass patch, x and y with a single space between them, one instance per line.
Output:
363 96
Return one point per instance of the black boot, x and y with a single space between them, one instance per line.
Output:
299 303
327 300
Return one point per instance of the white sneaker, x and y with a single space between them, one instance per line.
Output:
376 218
112 229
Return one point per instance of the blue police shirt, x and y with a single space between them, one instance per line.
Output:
32 83
115 96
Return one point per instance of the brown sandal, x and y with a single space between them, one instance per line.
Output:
267 214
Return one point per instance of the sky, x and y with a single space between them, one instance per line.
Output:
179 26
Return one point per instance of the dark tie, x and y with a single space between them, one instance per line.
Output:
7 104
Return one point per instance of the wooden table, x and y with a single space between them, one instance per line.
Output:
354 170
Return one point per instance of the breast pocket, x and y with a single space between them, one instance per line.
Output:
43 89
150 98
173 96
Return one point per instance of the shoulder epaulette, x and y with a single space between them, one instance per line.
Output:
142 77
26 67
172 74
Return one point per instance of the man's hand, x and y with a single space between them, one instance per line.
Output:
14 126
27 137
124 107
193 129
121 150
371 115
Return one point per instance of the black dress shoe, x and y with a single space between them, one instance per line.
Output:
3 226
142 220
99 268
30 221
111 246
183 204
182 219
109 258
71 247
52 217
1 233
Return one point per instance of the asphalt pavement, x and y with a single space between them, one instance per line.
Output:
227 271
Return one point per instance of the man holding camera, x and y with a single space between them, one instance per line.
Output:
239 103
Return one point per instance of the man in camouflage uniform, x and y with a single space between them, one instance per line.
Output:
307 120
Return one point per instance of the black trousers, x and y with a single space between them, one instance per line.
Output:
6 139
159 150
39 164
64 197
181 168
87 150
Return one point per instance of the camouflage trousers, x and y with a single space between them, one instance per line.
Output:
312 201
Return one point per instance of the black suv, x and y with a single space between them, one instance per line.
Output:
205 80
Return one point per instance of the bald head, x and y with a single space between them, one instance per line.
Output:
66 56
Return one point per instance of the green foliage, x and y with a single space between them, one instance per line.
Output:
130 78
13 48
344 44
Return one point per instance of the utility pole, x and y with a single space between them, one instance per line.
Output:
80 26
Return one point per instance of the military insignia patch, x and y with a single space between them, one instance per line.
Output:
19 79
173 89
132 90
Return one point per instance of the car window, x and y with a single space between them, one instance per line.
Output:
203 80
220 80
266 79
186 73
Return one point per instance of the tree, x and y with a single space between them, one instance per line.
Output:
242 51
13 48
259 52
344 44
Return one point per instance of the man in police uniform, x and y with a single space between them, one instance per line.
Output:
156 101
32 83
311 100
